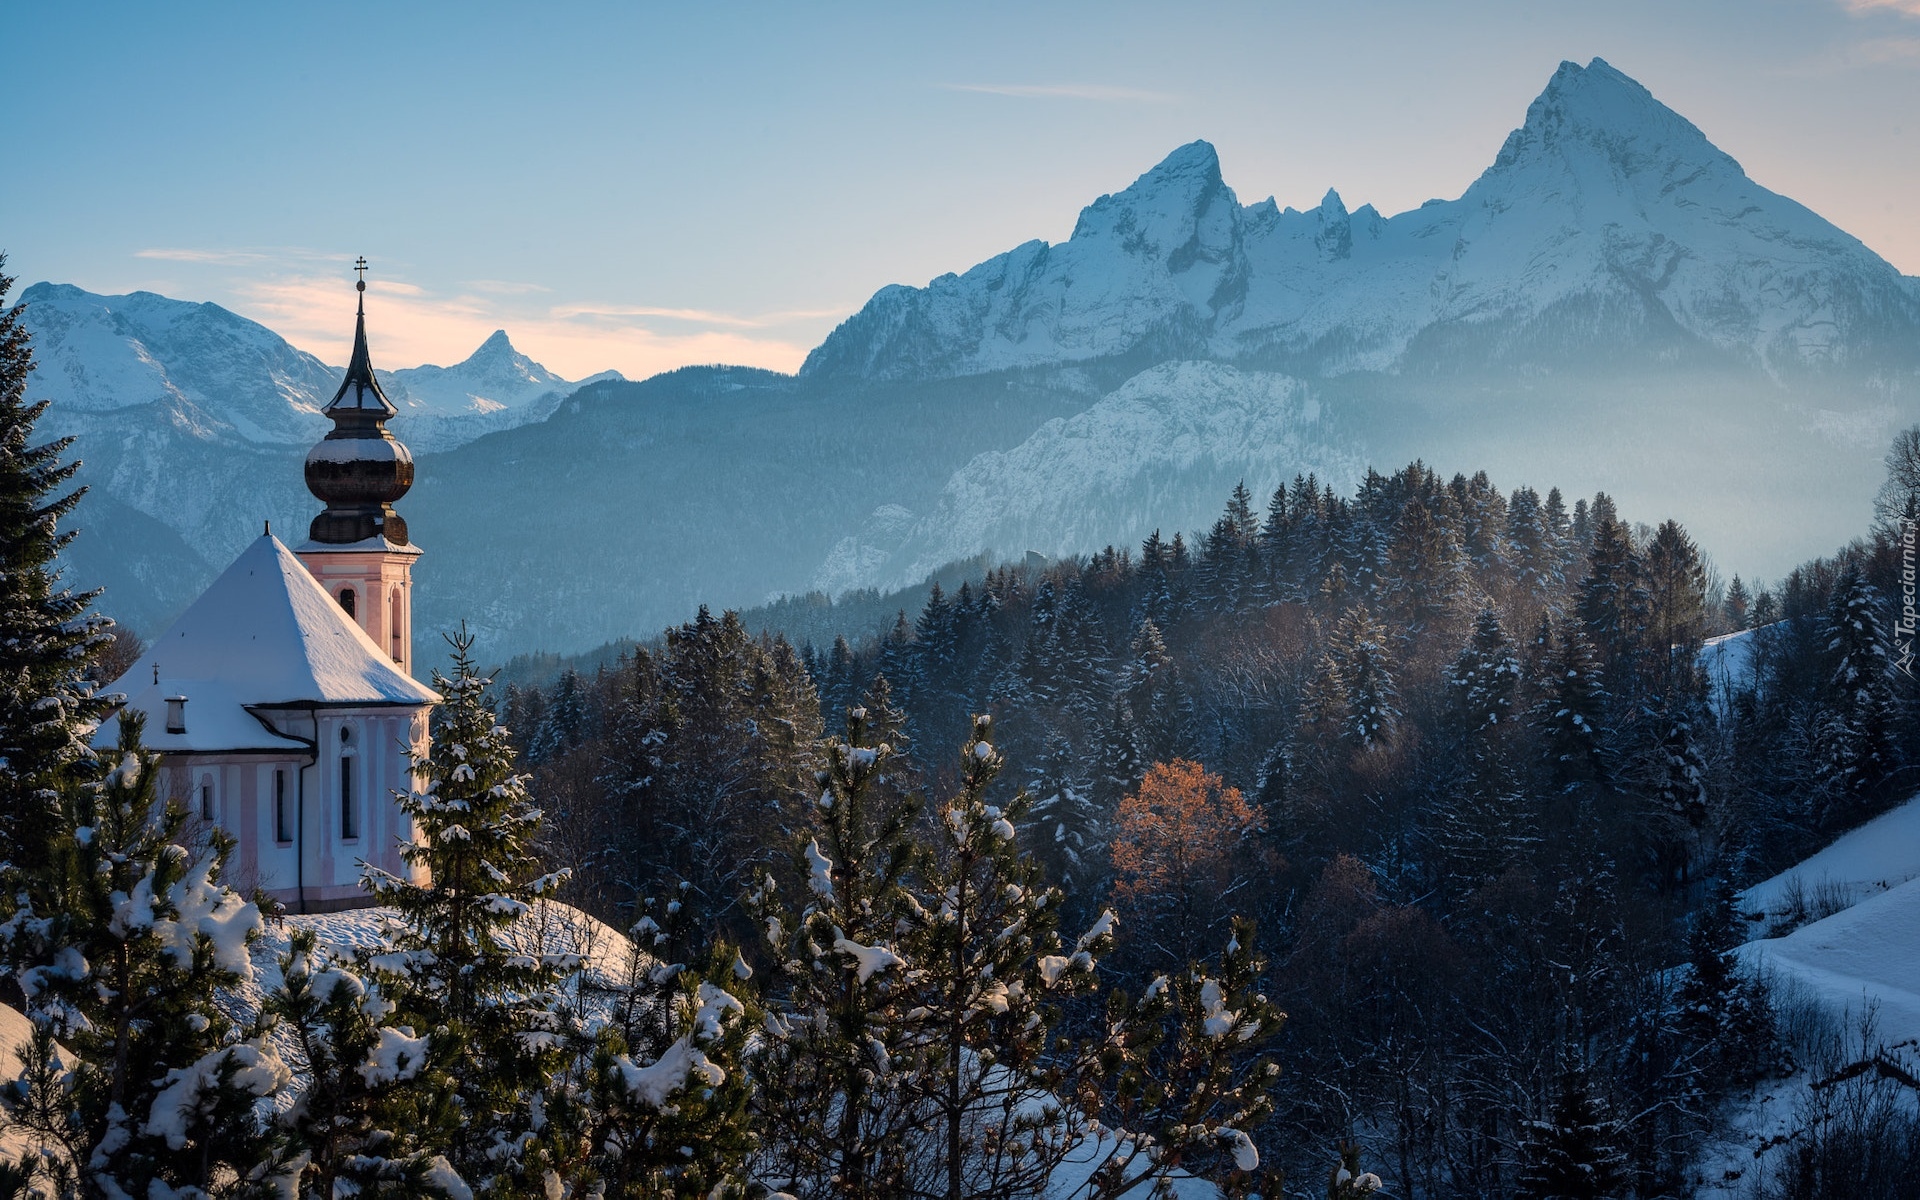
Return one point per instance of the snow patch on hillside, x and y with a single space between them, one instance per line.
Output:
1160 452
1860 963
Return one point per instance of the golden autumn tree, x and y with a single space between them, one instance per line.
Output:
1182 848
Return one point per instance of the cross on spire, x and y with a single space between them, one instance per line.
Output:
360 265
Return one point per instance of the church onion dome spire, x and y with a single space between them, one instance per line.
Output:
359 469
360 390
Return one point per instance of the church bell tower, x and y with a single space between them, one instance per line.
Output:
358 548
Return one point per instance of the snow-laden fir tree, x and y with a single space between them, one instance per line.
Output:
1679 779
1725 1012
985 955
454 972
668 1092
1569 709
842 1010
1484 678
374 1109
1484 826
1068 826
1576 1153
1857 748
1359 690
120 942
47 634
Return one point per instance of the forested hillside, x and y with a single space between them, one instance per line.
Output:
1453 747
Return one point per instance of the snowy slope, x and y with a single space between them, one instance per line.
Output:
1605 217
551 928
1878 856
222 374
1160 452
207 367
1861 958
1861 961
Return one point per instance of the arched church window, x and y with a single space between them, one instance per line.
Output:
206 797
393 624
346 600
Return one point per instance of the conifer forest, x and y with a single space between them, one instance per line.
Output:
1403 834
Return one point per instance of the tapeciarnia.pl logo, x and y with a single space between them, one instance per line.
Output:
1903 629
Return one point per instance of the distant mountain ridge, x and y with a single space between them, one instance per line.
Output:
197 419
1605 216
97 353
1612 304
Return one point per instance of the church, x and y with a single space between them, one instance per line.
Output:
282 702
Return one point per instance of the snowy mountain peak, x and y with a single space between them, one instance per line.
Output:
1605 208
1161 210
497 345
1597 109
494 377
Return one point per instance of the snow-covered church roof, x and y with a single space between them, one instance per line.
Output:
264 635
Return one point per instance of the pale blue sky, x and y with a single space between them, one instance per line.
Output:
634 186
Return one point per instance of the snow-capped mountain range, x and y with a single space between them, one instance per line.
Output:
1611 305
1605 215
228 376
191 422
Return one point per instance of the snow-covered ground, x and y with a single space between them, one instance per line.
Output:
552 927
1858 961
1861 863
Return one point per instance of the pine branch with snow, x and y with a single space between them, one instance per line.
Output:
121 942
453 970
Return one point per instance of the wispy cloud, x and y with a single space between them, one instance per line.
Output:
505 287
1910 8
697 316
222 258
235 257
1074 91
410 324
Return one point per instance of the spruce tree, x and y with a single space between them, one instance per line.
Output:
121 942
456 973
375 1104
1068 827
1482 827
1675 581
1569 713
1575 1154
1613 602
1725 1012
1737 605
1364 663
842 1011
668 1089
1484 677
1856 739
991 969
1531 552
47 633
